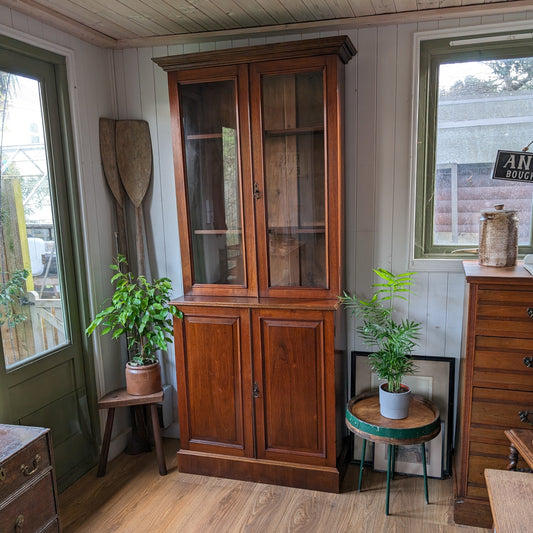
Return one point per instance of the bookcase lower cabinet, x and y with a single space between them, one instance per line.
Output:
259 391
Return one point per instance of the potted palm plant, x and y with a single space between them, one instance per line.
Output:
141 310
393 340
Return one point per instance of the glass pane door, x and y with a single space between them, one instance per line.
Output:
213 186
294 172
32 316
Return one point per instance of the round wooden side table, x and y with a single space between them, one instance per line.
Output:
421 425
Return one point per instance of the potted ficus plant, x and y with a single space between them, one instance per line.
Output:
142 311
393 340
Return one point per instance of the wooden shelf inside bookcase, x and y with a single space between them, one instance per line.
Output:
204 136
216 231
297 231
294 131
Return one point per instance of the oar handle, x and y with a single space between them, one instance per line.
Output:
139 238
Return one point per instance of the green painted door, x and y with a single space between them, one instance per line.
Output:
43 364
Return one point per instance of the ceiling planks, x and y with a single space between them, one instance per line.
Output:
138 23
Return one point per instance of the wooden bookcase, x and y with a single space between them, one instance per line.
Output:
257 139
496 380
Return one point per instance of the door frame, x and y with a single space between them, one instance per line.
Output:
60 59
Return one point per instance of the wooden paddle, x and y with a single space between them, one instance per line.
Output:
109 163
134 160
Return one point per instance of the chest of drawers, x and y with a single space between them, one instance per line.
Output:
28 495
496 380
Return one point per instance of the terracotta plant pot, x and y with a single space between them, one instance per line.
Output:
142 380
394 405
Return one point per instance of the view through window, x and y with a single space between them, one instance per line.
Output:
477 107
31 310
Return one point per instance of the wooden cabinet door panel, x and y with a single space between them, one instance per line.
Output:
296 135
213 362
290 369
211 146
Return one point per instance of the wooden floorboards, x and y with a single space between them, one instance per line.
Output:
132 498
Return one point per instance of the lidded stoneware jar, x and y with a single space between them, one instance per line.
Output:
498 237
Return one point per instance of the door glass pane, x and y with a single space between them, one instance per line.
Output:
293 136
31 309
212 166
483 107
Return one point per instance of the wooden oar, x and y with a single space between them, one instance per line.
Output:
109 163
134 160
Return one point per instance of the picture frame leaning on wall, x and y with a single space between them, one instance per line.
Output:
434 379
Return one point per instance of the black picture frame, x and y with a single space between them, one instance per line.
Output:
434 368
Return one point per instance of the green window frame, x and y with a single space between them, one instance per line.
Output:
432 54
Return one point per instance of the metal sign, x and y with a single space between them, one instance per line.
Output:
513 166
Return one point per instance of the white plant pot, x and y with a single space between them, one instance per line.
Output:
394 405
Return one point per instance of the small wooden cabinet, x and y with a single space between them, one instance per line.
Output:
496 380
259 384
257 138
28 495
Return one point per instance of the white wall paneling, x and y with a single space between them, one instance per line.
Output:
378 167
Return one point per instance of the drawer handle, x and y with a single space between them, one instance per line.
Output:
525 416
2 475
530 312
25 469
528 361
19 523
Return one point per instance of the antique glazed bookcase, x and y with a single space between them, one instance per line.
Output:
257 141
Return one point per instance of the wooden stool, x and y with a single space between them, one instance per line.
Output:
364 419
120 398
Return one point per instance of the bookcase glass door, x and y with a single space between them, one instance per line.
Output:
294 173
209 115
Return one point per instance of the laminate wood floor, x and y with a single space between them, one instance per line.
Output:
132 498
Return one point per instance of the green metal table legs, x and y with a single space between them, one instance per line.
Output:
391 462
361 466
423 444
390 453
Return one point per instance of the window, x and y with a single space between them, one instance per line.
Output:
476 97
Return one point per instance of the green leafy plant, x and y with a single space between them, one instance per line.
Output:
11 292
141 310
393 341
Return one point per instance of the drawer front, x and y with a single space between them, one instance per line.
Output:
504 312
496 410
476 476
502 362
33 509
23 466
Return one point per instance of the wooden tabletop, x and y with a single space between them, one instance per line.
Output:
120 398
522 439
14 437
510 495
512 275
421 425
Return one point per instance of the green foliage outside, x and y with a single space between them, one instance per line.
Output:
141 310
393 341
509 75
11 292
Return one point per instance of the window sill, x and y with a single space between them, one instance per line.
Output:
439 265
